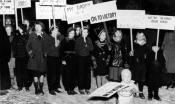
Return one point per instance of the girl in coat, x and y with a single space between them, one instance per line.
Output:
139 61
83 48
101 54
37 58
69 62
21 56
52 48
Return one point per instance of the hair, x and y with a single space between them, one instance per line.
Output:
52 28
115 30
40 23
70 29
101 32
9 26
23 27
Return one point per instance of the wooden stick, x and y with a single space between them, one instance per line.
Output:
3 19
49 23
157 42
22 15
73 25
107 33
16 15
82 25
131 37
53 14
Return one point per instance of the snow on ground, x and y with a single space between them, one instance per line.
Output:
23 97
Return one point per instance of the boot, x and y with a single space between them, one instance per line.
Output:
156 96
36 88
41 88
150 93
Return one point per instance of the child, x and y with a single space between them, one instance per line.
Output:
125 96
101 54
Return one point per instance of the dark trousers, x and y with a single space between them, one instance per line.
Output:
153 90
53 72
69 76
84 72
30 78
21 72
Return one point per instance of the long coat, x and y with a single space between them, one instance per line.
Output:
35 44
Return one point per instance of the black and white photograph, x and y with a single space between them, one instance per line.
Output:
87 52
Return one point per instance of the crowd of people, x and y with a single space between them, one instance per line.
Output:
29 54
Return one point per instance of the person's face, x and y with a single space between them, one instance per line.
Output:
102 36
8 30
117 36
71 34
85 32
140 36
26 22
38 28
126 76
78 30
8 22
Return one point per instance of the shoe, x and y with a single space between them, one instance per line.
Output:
141 95
82 92
69 93
41 88
19 89
73 92
58 91
87 92
157 98
52 92
27 89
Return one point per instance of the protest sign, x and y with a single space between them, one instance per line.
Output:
102 12
160 22
7 7
108 90
45 12
52 2
23 3
78 12
131 19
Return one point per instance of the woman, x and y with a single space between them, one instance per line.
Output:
83 48
37 58
138 65
117 55
101 54
52 48
10 34
69 62
21 56
5 54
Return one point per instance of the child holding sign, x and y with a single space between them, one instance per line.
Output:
125 96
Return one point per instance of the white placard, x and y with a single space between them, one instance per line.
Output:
78 12
7 7
108 90
131 19
102 12
52 2
23 3
45 12
160 22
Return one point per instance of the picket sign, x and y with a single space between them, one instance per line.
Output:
132 19
45 12
23 3
102 12
107 90
78 12
53 2
7 7
160 22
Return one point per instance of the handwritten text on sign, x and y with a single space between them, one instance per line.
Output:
160 22
78 12
7 7
52 2
103 12
23 3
